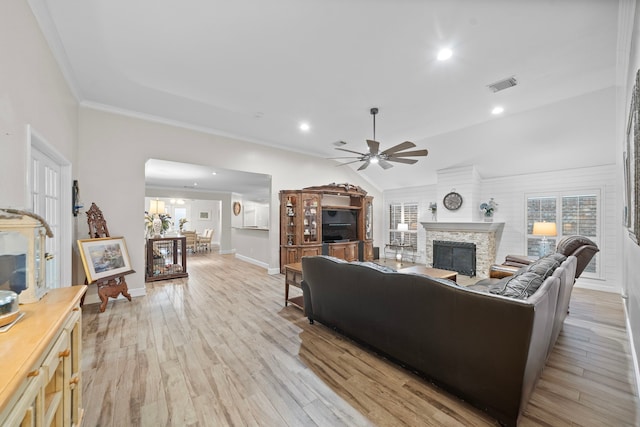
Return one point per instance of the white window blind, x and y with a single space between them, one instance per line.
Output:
574 214
403 213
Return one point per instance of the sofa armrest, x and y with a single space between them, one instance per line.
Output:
518 260
497 271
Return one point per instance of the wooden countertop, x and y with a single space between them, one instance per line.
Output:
25 342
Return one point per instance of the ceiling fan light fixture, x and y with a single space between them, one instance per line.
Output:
444 54
395 154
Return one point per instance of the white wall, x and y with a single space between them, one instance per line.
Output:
124 143
33 92
423 195
628 65
510 193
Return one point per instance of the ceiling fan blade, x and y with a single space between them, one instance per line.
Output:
364 165
384 164
348 163
411 153
401 160
351 151
402 146
374 147
338 158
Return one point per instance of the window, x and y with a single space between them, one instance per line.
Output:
574 214
403 213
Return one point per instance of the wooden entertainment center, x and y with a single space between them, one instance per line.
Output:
334 219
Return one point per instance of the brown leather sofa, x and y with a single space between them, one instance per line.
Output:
487 349
579 246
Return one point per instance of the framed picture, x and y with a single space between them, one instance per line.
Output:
631 158
237 207
204 215
104 258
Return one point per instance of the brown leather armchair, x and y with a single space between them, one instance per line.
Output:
579 246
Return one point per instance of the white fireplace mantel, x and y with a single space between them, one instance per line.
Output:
475 227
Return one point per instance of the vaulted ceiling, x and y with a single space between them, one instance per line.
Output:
256 69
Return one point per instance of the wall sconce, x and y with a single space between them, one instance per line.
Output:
544 229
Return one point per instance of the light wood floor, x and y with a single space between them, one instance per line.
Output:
219 348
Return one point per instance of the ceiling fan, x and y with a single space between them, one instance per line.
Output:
393 154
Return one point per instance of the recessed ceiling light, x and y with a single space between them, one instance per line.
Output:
195 184
497 110
213 173
445 54
304 127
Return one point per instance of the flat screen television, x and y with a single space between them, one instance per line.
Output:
339 225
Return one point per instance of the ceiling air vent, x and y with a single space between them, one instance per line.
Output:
339 143
503 84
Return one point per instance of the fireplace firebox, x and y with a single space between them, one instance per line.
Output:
455 256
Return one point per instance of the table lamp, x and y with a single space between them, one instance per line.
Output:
544 229
402 228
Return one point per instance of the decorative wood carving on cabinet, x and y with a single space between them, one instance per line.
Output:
302 232
108 287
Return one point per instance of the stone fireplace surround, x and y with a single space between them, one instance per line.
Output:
483 234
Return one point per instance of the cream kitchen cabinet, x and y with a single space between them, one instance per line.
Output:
40 383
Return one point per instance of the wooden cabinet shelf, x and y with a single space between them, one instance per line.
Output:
341 207
301 223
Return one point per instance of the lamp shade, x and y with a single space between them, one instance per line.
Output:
544 229
156 207
403 227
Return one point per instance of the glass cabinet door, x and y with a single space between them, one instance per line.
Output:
368 219
311 225
290 227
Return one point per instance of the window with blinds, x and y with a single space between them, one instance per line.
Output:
574 214
403 213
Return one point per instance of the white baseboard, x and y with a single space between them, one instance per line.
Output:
227 251
262 264
272 271
253 261
634 355
93 298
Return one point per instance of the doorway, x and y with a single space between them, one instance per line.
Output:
50 192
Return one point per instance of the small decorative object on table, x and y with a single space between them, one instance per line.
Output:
488 208
182 222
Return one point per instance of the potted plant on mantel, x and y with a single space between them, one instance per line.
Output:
488 208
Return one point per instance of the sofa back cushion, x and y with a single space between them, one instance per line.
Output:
527 281
568 245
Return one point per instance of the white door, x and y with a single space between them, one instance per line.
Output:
46 195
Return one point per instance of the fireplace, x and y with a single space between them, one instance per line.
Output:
485 235
455 256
